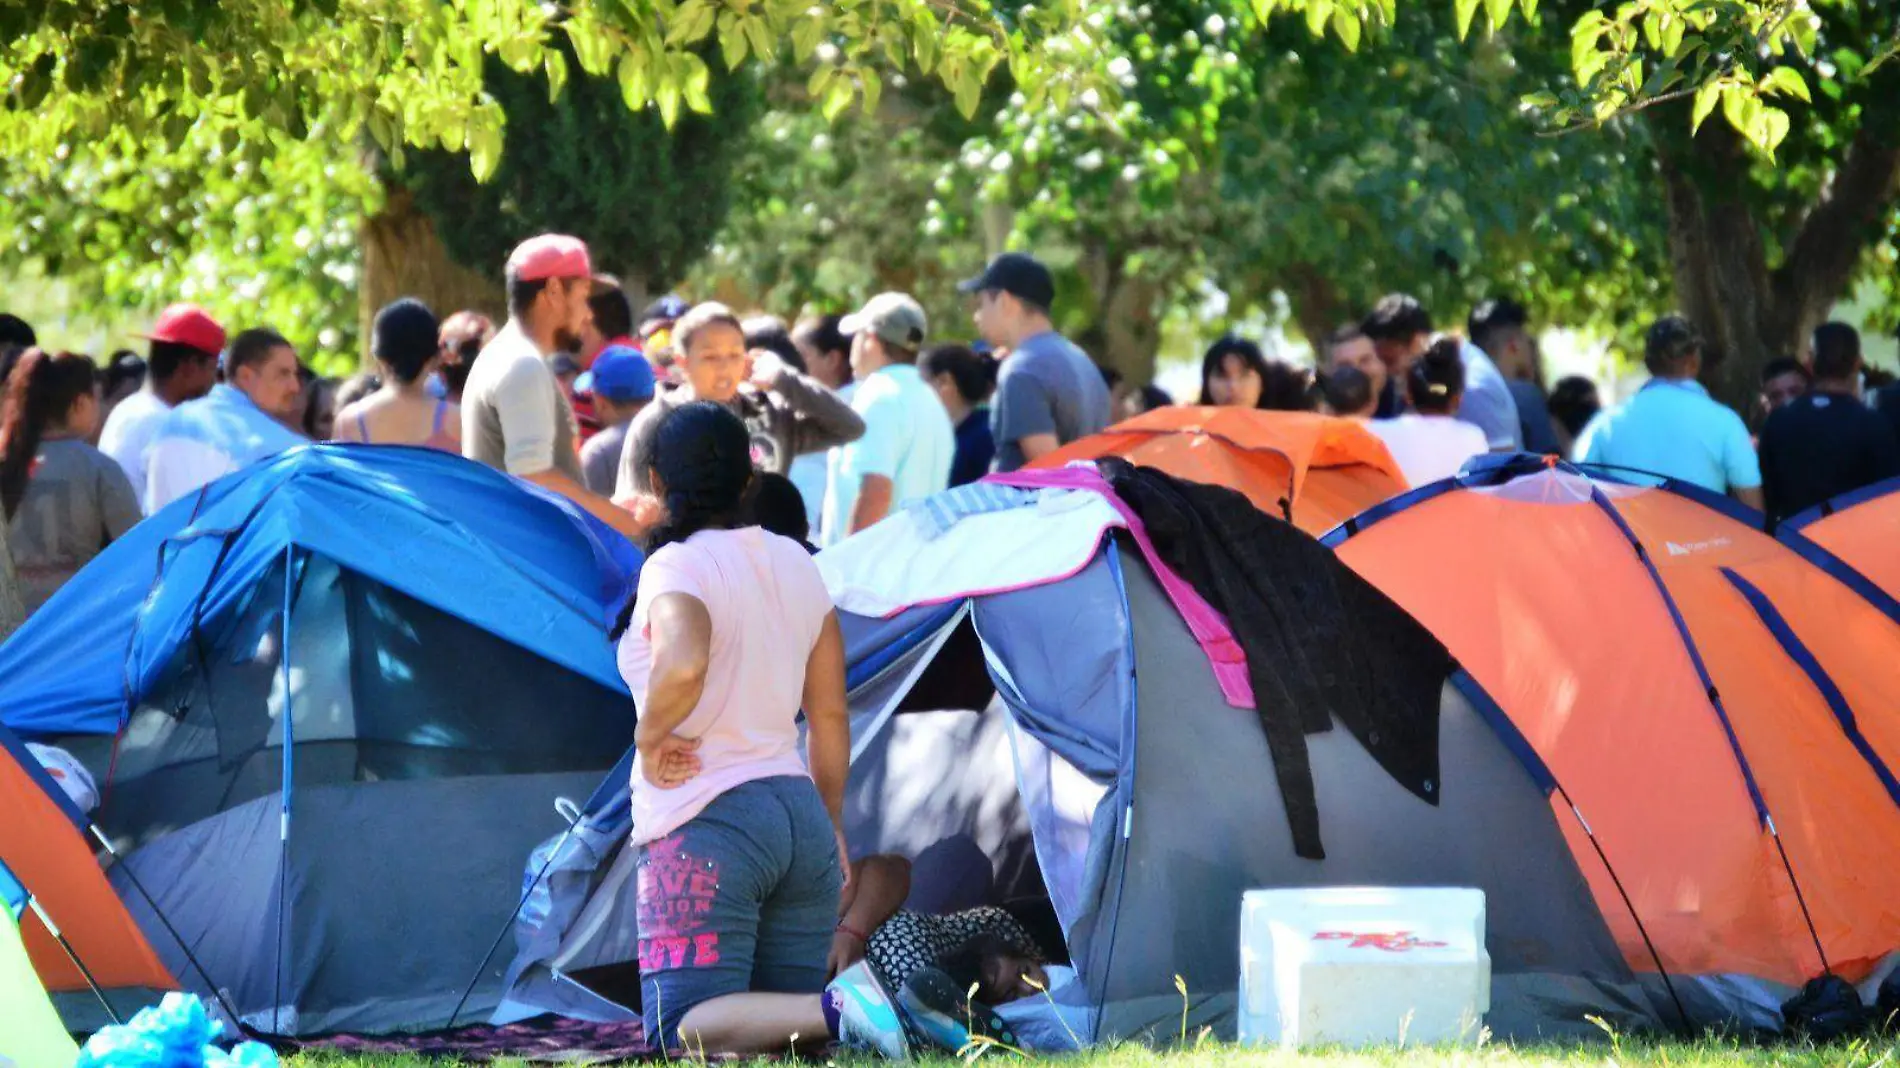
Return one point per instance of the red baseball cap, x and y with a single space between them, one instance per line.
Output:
550 256
188 324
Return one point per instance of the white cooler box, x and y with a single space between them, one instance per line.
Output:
1359 966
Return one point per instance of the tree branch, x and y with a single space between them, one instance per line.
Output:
1628 109
1832 238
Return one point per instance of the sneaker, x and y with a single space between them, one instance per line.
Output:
867 1018
944 1015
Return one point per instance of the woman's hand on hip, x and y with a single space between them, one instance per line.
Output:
672 763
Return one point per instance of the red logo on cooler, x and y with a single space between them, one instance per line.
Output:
1391 942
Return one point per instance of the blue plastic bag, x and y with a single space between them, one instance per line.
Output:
178 1032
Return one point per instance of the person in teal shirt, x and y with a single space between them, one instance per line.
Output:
908 443
1672 427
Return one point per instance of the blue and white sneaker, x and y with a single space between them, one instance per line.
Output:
945 1017
867 1017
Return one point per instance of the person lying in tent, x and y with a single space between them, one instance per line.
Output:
933 962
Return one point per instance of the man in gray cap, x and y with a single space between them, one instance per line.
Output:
908 443
1049 392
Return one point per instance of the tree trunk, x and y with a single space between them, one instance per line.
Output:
12 611
1748 311
1125 331
403 257
1318 307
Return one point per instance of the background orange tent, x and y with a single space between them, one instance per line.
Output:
1860 530
1315 470
1706 706
42 839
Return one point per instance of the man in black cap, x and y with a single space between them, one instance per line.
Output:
1049 392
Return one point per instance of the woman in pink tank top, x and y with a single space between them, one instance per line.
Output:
404 343
741 848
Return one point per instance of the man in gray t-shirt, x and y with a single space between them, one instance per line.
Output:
515 417
1049 392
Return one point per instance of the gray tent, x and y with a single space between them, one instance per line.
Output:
1068 744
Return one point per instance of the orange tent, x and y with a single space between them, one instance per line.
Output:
1313 469
1860 530
1707 707
42 841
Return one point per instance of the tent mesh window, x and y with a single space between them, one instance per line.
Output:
381 687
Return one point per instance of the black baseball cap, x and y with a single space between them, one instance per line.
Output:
1019 275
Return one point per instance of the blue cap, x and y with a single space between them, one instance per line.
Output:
620 374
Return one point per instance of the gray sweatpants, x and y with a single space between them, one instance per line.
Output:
742 898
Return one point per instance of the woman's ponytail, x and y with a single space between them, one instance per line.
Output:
1437 378
39 392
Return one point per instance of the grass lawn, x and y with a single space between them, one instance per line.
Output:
1709 1054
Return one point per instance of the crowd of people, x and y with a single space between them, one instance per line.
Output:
732 448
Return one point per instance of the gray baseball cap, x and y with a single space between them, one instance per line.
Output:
894 318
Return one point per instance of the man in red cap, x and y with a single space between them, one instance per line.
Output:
183 365
515 417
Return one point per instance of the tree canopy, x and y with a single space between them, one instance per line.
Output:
412 72
646 199
1158 144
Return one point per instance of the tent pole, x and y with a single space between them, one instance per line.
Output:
573 824
283 818
73 955
1765 818
120 863
1668 983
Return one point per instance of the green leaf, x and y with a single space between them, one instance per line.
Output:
557 73
1787 81
837 100
1705 99
759 36
1317 12
695 83
873 88
819 81
484 149
1735 107
969 92
382 130
1585 57
805 37
1465 11
1768 128
634 87
733 45
668 98
1346 25
690 22
1672 36
925 45
1499 12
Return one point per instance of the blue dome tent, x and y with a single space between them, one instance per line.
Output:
329 701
